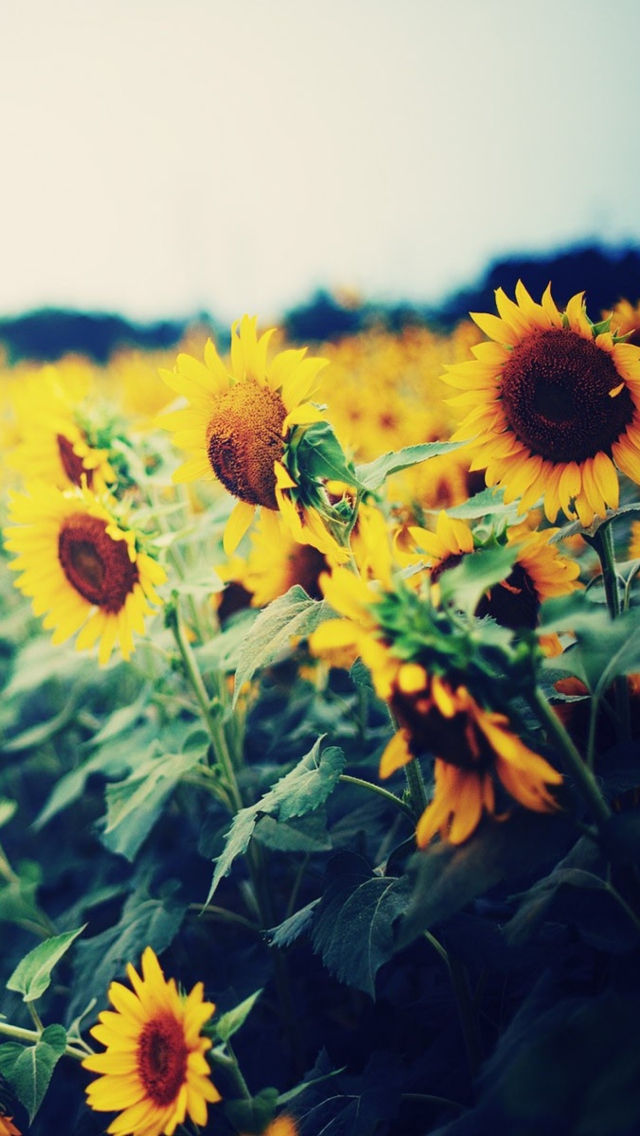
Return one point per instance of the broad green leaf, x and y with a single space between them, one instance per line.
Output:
124 718
28 1068
488 503
293 615
229 1023
306 834
353 928
575 897
605 647
447 876
39 734
320 456
299 792
145 921
113 760
463 586
18 897
373 474
32 976
133 805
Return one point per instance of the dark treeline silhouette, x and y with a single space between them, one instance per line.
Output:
606 275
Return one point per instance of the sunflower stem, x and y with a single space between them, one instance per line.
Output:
214 725
575 766
229 1062
603 543
417 791
33 1037
372 788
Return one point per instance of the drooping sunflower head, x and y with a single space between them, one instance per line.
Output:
238 423
83 568
153 1072
554 405
475 749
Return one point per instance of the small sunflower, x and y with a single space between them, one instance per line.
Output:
239 427
154 1069
271 568
54 446
473 748
634 543
81 567
554 405
540 570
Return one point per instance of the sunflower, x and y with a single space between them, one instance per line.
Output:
154 1069
272 567
7 1128
634 543
54 446
540 570
81 567
554 405
473 748
239 427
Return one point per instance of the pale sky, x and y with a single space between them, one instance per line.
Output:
161 157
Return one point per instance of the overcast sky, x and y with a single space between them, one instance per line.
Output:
161 157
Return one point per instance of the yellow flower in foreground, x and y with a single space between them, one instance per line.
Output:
154 1069
9 1129
83 571
553 407
238 424
473 748
281 1126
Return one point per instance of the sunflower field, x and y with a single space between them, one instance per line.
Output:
320 720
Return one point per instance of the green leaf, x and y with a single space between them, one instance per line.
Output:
32 975
578 898
320 456
306 834
288 931
373 474
229 1023
353 928
7 810
605 647
28 1069
301 791
446 877
18 897
133 805
145 921
488 503
124 718
293 615
463 586
39 734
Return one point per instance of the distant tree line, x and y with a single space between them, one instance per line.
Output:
607 275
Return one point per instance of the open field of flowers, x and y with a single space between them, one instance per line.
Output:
320 777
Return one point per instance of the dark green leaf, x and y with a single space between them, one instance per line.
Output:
286 933
448 876
306 834
301 791
28 1069
353 928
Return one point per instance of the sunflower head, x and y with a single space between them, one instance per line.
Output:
82 567
555 405
240 418
153 1072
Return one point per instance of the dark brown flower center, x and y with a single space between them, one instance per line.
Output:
456 740
514 603
95 564
162 1059
305 566
244 438
555 392
72 465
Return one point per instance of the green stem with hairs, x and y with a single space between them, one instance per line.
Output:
573 763
603 544
372 788
212 721
33 1037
